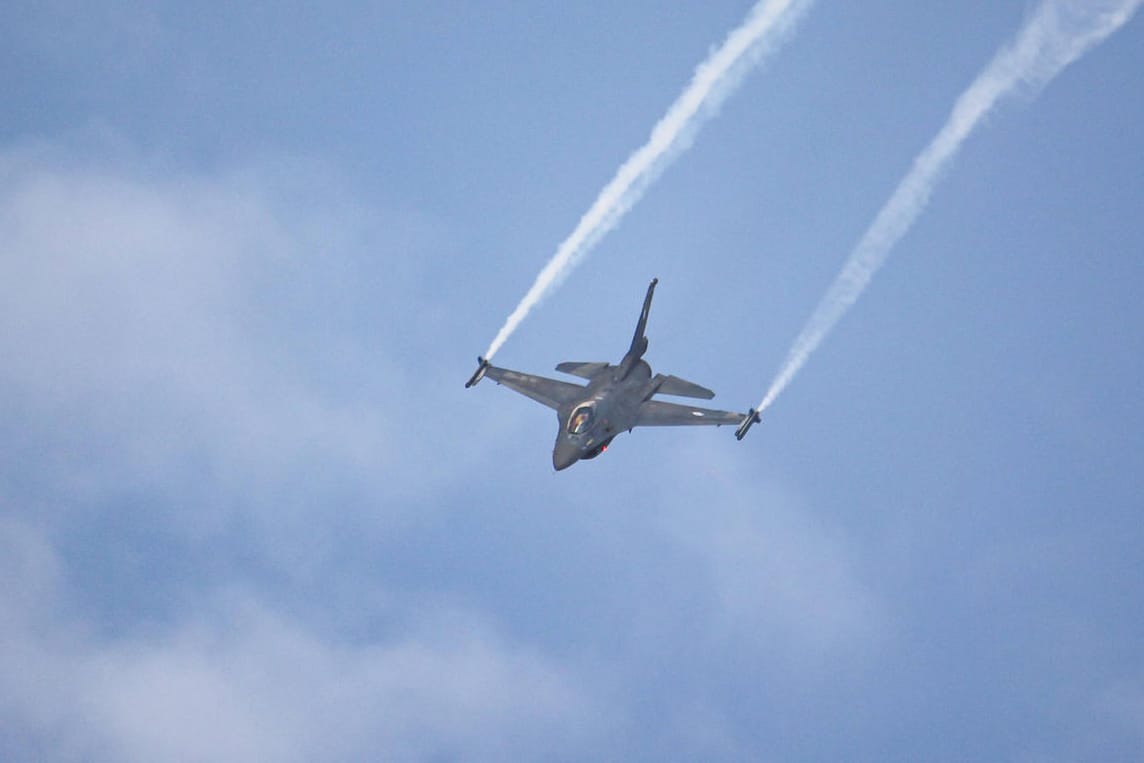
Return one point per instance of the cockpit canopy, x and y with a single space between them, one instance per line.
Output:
581 419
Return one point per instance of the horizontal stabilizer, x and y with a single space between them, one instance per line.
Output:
583 370
673 385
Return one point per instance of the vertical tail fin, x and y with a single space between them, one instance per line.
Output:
639 341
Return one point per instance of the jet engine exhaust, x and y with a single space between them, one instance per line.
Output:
767 25
1056 35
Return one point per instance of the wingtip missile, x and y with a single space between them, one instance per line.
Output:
751 417
479 373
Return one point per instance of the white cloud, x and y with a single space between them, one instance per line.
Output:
194 343
197 339
236 680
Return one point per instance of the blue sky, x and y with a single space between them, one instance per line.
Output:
248 511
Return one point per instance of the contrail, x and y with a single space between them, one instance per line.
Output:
1058 33
765 28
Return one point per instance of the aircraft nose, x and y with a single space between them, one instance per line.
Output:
564 455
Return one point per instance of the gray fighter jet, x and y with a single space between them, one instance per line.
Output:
616 398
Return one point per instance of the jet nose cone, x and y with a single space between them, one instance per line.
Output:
564 456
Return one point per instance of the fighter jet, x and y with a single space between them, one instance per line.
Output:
616 398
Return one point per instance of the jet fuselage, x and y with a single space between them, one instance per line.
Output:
610 405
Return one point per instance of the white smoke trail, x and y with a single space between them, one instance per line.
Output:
1056 35
765 27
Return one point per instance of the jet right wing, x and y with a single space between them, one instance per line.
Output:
656 413
546 391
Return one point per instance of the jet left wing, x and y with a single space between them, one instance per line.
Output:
543 390
656 413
